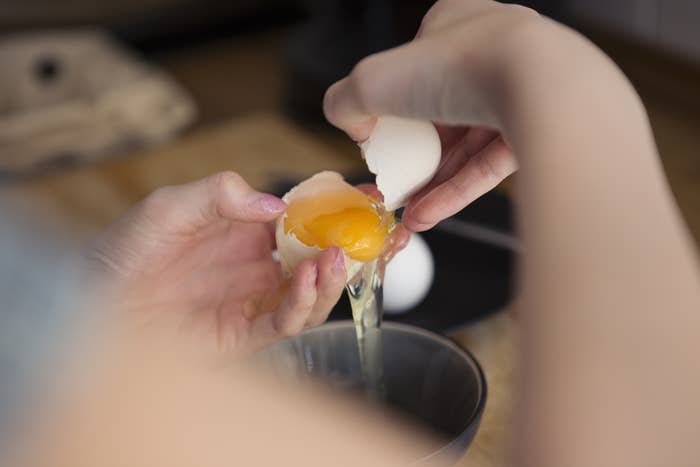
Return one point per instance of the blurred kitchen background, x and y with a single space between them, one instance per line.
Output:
103 101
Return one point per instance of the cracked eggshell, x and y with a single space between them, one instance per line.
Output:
404 154
291 251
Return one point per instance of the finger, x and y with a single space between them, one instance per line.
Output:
450 135
472 142
371 190
445 75
194 205
475 140
425 79
483 172
292 304
446 13
270 228
331 281
397 241
298 304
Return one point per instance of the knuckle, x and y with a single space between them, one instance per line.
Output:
523 11
225 182
287 328
495 166
486 169
440 9
299 298
455 188
160 204
445 12
224 186
158 197
430 17
329 109
364 81
302 302
316 321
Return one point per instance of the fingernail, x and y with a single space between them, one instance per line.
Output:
311 277
339 262
267 203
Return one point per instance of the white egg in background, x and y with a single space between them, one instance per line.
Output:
408 276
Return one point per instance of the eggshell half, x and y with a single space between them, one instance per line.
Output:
404 154
291 251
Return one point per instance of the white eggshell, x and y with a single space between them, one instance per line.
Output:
408 276
404 154
290 250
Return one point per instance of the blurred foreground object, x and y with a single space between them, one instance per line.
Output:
41 311
73 96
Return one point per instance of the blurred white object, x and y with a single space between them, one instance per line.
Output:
408 276
79 95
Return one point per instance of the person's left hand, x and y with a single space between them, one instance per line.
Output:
202 254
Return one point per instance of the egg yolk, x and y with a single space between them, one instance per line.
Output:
346 219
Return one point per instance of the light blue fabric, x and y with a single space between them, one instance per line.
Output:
37 314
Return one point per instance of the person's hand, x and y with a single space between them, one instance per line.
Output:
440 76
202 253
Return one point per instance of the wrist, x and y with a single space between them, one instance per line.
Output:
546 74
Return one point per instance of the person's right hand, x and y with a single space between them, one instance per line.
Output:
441 76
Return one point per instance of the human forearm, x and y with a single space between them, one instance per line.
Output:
609 276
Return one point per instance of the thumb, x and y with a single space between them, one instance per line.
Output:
225 195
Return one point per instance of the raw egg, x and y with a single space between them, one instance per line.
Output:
325 211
